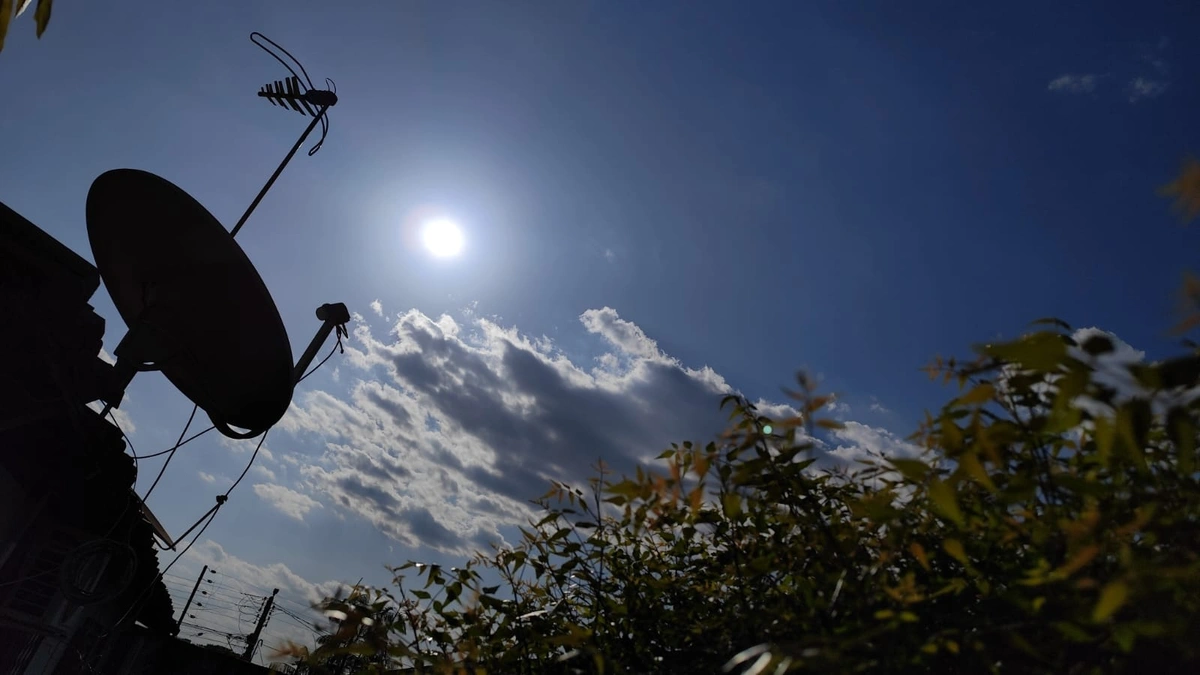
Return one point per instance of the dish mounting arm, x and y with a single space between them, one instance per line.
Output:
334 316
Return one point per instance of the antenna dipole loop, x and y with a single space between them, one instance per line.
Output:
296 93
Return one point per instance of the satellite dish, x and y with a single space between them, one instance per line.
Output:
196 308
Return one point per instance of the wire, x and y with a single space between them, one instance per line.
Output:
31 576
327 357
248 464
211 515
307 81
176 447
172 451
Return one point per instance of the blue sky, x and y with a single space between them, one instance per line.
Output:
754 187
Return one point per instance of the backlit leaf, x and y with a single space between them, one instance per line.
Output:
945 501
918 552
1112 597
41 15
977 395
955 548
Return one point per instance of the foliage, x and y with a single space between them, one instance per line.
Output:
1050 526
10 9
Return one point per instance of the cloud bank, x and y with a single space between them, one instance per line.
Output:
448 428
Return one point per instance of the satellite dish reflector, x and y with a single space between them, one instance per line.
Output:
196 308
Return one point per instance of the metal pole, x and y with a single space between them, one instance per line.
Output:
186 605
271 181
262 621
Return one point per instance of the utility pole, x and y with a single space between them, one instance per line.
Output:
183 615
252 643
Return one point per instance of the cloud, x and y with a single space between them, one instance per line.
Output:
878 407
620 333
377 307
838 408
1073 84
449 429
858 441
1143 88
206 477
285 500
246 447
106 357
609 255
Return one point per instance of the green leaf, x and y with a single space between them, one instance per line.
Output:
42 15
978 395
1182 431
945 502
732 503
1072 632
1051 321
1106 435
1112 597
955 548
972 467
1042 351
6 15
912 469
1097 345
1181 372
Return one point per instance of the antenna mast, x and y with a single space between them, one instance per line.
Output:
301 96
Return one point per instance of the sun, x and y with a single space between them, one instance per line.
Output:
442 237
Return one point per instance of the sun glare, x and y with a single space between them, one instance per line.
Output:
442 238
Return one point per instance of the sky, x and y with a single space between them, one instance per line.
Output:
661 202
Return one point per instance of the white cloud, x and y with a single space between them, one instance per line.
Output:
1073 84
878 407
838 408
623 334
285 500
858 441
1143 88
206 477
377 307
452 428
609 255
106 357
263 471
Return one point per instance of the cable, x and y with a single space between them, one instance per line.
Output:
248 464
307 81
74 566
207 519
176 447
327 357
172 455
211 515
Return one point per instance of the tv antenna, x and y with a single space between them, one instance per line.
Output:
196 308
